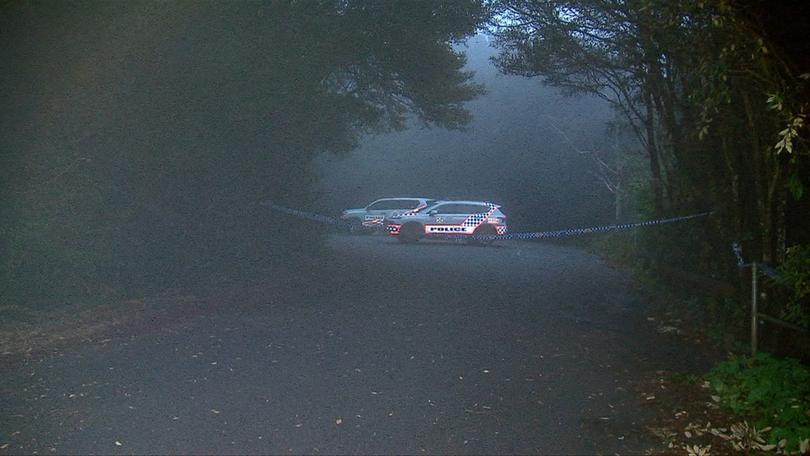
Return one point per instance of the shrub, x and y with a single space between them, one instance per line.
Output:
794 273
770 392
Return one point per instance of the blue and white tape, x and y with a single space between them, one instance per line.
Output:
738 254
764 268
768 270
572 232
304 214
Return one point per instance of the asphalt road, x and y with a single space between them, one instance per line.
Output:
377 348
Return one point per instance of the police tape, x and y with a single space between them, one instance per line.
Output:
572 232
735 247
765 268
556 234
305 215
768 270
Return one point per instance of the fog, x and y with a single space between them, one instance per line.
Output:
527 148
175 279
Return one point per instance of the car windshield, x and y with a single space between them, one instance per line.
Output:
429 207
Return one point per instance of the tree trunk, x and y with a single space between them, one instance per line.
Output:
759 189
652 151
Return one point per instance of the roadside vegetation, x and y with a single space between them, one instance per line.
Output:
715 100
715 104
772 395
746 405
794 275
126 174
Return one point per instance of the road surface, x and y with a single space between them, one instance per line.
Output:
377 347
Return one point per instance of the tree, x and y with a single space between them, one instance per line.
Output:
141 136
701 86
593 46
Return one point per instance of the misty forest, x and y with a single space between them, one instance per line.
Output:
180 275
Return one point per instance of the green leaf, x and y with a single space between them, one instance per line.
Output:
795 186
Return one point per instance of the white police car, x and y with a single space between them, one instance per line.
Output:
374 215
462 218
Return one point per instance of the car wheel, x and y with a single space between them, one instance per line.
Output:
410 232
484 230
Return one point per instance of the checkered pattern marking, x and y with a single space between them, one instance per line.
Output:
475 220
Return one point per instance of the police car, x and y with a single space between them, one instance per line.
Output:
374 215
461 218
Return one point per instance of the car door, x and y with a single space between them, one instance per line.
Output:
446 219
376 211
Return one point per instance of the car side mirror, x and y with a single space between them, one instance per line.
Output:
434 212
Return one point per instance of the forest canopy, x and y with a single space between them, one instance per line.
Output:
140 136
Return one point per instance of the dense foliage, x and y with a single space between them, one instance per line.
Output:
773 393
717 107
139 137
794 274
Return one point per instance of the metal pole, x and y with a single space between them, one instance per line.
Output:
754 308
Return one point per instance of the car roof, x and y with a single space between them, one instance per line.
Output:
437 202
404 197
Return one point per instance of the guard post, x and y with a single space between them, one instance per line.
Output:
754 310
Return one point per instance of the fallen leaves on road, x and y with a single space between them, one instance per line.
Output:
668 329
698 436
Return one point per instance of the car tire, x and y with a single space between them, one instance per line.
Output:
484 230
410 233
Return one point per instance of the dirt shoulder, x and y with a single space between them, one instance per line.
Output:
53 331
